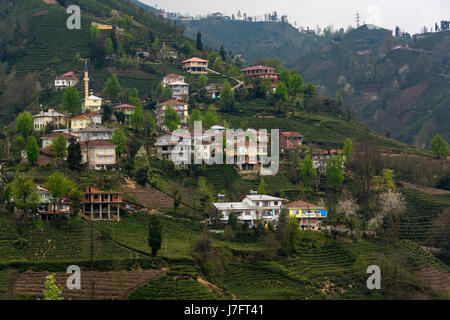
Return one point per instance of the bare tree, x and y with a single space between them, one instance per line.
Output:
391 205
348 210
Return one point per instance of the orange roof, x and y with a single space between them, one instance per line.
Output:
301 204
292 134
91 114
125 106
172 75
195 59
79 117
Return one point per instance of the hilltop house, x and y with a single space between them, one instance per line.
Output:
102 205
195 66
47 140
48 208
69 79
126 109
253 209
99 154
309 215
290 140
179 106
41 119
261 72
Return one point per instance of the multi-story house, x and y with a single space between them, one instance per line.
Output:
195 66
170 78
126 109
179 106
99 154
49 208
180 90
41 119
261 72
174 143
69 79
79 122
102 205
309 215
253 209
246 154
97 132
290 140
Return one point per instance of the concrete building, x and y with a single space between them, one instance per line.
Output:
47 140
290 140
96 132
253 209
310 216
49 208
180 107
102 205
99 154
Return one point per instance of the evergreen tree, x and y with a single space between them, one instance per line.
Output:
137 119
120 140
71 100
25 124
223 53
198 42
74 156
171 118
112 88
281 91
227 97
262 186
59 146
32 150
154 235
335 173
308 171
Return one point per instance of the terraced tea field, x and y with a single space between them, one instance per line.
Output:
422 209
94 285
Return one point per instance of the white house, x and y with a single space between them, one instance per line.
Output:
180 90
68 79
253 209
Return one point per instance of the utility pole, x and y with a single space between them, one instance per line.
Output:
358 19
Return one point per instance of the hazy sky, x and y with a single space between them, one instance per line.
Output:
410 15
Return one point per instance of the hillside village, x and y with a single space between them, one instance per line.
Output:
107 168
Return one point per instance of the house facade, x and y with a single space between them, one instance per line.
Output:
48 208
247 155
180 107
79 122
261 72
69 79
102 205
170 78
41 119
99 154
253 209
290 140
180 90
310 216
195 66
126 109
97 132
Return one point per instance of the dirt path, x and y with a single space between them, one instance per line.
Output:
114 285
213 288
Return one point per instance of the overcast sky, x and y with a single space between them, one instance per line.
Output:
410 15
